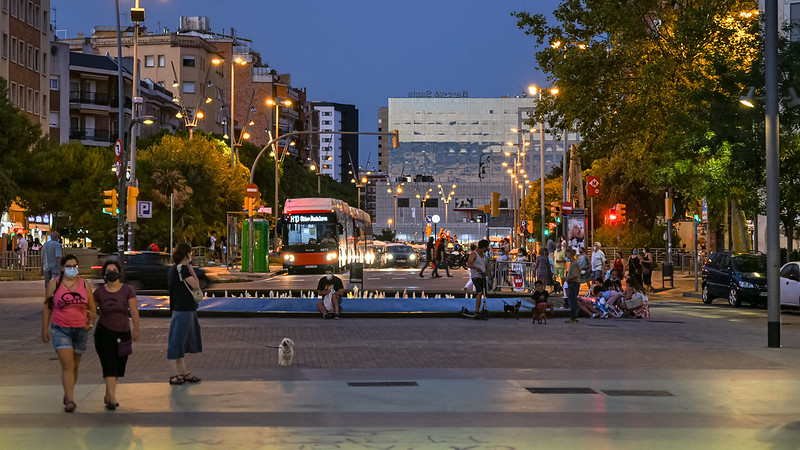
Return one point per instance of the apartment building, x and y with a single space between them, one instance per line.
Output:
24 61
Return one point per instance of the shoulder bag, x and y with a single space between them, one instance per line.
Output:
197 294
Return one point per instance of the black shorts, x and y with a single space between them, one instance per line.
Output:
480 284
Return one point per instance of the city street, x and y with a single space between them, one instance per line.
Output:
693 376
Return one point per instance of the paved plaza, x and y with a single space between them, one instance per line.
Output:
693 376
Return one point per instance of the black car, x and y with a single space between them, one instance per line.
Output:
148 271
741 277
400 256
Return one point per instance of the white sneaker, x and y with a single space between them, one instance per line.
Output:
594 315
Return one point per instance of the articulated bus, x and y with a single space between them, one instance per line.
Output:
316 232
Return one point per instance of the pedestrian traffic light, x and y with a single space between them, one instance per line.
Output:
495 204
395 139
110 202
547 232
621 212
132 200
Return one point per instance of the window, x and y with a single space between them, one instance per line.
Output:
161 61
29 54
326 139
12 94
44 64
44 21
794 19
13 49
5 45
36 59
430 203
188 61
327 122
30 13
4 5
326 113
188 87
14 8
54 119
30 100
36 102
36 11
149 61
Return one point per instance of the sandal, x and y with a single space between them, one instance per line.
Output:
70 406
176 379
189 378
110 406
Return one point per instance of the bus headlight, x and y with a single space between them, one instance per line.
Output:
331 256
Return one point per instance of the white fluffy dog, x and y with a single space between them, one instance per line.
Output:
286 352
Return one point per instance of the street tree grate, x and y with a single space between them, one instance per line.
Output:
636 393
561 390
381 383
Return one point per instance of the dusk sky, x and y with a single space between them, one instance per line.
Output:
359 52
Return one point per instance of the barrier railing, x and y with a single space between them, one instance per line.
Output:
512 275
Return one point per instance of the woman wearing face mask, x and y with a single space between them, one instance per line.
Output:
69 311
112 337
184 328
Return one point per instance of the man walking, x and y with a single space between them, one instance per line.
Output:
22 245
573 285
51 258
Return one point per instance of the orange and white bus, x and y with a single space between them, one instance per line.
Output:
316 232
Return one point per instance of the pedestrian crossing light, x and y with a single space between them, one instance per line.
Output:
132 201
110 202
495 208
621 212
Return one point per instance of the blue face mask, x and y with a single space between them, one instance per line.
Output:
635 252
71 272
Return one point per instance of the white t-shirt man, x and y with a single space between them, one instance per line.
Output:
598 260
23 250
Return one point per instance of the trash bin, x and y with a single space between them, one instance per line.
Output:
260 246
667 270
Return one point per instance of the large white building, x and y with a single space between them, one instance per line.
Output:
461 141
338 154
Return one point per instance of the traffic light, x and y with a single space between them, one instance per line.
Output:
485 209
395 139
495 209
547 232
256 202
621 212
132 200
612 216
248 205
555 210
110 202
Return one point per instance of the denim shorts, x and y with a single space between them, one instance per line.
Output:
68 337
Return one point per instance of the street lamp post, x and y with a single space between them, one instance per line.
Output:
535 90
395 192
424 199
446 199
522 152
276 103
316 172
234 61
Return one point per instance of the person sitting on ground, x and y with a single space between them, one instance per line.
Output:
331 289
588 305
634 287
613 282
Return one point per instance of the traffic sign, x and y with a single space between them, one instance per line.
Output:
251 190
566 208
117 168
118 148
428 219
144 210
435 218
592 186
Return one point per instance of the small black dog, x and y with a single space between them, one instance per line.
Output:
511 309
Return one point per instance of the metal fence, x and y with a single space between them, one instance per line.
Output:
19 265
512 275
682 261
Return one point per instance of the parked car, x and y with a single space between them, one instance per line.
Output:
400 255
741 277
147 271
790 284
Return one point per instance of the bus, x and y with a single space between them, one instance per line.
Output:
317 232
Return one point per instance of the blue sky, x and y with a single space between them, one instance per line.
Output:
359 51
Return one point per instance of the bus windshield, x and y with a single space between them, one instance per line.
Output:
303 229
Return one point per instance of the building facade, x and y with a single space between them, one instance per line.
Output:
338 153
24 57
462 142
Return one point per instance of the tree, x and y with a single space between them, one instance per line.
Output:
653 87
18 137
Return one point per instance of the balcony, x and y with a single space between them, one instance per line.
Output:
96 98
90 134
